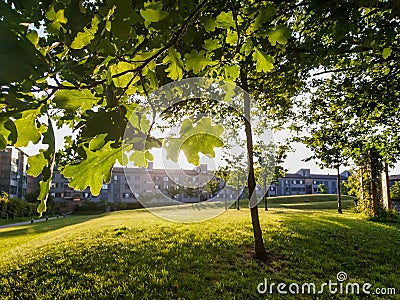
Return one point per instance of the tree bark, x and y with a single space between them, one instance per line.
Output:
259 248
339 193
387 201
374 189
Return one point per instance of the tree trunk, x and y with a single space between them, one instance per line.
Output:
374 189
266 195
339 193
387 201
251 181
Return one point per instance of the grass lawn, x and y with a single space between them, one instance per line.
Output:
135 255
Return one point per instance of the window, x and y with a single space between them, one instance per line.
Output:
176 179
126 195
137 177
294 181
286 181
272 188
137 187
156 178
301 181
115 177
105 186
165 178
128 177
156 186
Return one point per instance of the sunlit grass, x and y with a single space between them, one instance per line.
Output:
135 255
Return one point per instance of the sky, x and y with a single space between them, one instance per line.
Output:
293 162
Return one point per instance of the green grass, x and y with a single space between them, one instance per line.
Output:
135 255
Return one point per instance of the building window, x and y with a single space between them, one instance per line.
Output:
301 181
165 178
272 188
156 178
105 186
176 179
128 177
286 181
294 181
137 177
115 177
156 186
126 195
137 187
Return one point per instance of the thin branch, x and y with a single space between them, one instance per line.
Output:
334 71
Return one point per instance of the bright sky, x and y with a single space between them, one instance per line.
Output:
293 162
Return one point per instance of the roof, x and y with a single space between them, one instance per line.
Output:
394 177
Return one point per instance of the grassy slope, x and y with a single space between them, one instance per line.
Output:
134 254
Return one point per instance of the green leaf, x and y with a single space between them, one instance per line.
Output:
97 142
123 80
231 37
84 38
152 11
280 35
225 20
174 70
26 128
232 72
209 25
75 101
247 47
95 168
8 132
264 62
197 61
386 52
201 138
138 158
211 44
33 37
47 167
36 164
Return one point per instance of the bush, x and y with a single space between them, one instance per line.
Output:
395 190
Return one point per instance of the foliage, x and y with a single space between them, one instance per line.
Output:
16 208
322 188
395 190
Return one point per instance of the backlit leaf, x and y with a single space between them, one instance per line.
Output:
152 11
197 61
84 38
264 62
174 69
95 169
74 100
203 137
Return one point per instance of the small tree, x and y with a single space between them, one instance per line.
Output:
322 188
395 190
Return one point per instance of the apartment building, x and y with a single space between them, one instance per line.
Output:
304 182
130 184
13 177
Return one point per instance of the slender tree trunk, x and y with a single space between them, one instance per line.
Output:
374 189
387 201
251 181
266 195
339 193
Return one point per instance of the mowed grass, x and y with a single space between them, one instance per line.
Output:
136 255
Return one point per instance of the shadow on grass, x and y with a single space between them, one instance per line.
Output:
45 226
